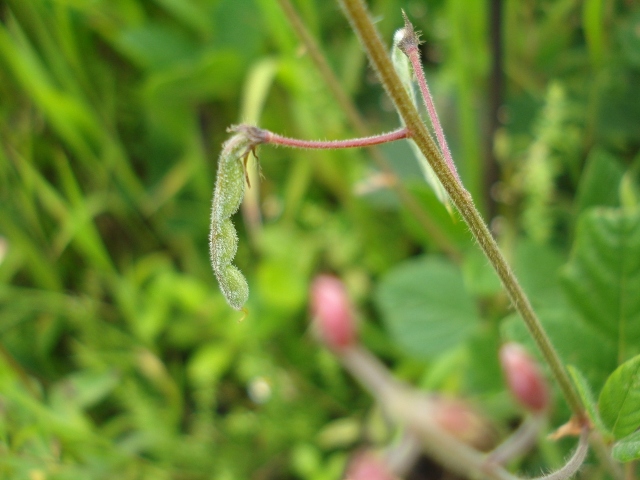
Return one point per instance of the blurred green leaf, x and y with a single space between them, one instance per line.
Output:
209 363
191 13
593 24
153 46
600 181
425 306
619 401
451 226
602 280
283 274
256 88
213 74
484 373
629 38
479 277
84 389
537 267
627 449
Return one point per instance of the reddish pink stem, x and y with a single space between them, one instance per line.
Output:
414 57
275 139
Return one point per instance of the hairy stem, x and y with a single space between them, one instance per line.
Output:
403 456
366 31
574 463
275 139
409 46
604 455
519 442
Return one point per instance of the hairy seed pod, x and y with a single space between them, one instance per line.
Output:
230 179
234 286
223 240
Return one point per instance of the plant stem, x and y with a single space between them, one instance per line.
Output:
275 139
409 46
366 31
574 463
518 442
412 410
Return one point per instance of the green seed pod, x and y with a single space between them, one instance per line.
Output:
234 286
223 243
223 239
230 178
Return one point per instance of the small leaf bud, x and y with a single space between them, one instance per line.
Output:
524 378
331 311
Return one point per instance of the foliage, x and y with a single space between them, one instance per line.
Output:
119 357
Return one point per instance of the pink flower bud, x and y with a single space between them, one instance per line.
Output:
462 421
524 378
332 312
367 466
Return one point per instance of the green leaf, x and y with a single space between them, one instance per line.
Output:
480 278
619 401
593 25
629 38
193 15
154 46
425 306
627 449
454 230
602 280
599 181
586 394
84 389
483 371
256 88
196 80
537 267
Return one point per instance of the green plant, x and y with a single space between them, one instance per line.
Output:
119 356
223 239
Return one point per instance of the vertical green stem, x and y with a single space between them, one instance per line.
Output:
361 22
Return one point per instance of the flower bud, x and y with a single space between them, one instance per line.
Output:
367 466
524 378
462 421
331 311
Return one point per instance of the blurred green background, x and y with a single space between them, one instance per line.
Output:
119 358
